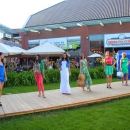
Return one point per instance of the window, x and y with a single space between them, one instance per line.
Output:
97 46
1 35
33 43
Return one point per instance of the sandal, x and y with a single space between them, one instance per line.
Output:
39 95
43 96
109 86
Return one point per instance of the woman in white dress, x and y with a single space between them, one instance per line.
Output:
64 64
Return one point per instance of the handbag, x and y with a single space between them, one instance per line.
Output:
119 74
81 80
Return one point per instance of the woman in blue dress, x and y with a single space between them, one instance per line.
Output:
3 77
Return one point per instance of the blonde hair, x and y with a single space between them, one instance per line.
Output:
124 55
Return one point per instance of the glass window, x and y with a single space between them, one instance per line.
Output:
99 37
1 35
33 43
97 46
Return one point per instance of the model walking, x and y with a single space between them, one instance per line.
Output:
64 66
3 76
108 68
39 74
84 70
124 62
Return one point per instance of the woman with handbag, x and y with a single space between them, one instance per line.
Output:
3 76
39 74
64 66
84 70
108 68
124 62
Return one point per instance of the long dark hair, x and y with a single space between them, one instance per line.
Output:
1 59
67 58
39 59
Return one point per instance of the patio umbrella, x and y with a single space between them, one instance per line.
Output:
95 55
7 50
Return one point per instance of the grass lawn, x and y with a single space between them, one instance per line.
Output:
112 115
23 89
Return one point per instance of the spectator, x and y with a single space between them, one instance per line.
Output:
31 65
24 64
18 69
6 68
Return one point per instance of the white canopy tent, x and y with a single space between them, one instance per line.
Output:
45 49
19 49
95 55
7 50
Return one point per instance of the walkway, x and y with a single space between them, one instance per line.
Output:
17 104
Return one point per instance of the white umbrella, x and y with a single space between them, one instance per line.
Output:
7 50
45 49
94 55
19 49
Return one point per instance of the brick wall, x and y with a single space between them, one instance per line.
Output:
84 32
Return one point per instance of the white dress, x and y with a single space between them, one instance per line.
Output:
64 84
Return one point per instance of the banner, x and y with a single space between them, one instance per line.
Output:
66 43
59 42
117 40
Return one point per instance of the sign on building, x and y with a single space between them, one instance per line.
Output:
117 40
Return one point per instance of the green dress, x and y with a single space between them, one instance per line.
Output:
125 62
84 70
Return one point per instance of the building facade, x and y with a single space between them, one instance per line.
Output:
79 27
8 36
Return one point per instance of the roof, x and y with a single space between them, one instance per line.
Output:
7 29
80 10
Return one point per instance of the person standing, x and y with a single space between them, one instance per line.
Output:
84 70
124 62
108 68
39 74
3 76
64 66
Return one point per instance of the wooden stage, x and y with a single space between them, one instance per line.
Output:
25 103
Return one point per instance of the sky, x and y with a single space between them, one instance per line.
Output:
14 13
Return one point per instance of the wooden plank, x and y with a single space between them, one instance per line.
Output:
23 104
1 112
30 102
15 105
7 106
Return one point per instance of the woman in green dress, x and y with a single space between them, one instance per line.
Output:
124 62
84 70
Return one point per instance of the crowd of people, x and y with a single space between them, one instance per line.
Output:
63 64
19 65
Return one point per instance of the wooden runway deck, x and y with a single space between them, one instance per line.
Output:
17 104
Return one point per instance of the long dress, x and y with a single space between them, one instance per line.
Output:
64 84
86 73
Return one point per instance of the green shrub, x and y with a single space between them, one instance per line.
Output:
26 78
